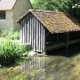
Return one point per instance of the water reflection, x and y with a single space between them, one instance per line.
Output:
52 68
36 67
56 66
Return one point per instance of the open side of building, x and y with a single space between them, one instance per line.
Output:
46 30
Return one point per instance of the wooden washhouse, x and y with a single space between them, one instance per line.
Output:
46 30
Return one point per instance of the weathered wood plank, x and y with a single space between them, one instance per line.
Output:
27 31
39 35
55 46
32 26
44 43
41 38
29 28
22 31
33 33
21 38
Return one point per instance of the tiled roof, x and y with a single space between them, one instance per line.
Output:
7 4
55 22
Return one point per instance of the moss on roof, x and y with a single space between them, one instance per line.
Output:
55 22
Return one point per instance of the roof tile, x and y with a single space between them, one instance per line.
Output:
7 4
55 22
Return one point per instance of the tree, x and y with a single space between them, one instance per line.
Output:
70 6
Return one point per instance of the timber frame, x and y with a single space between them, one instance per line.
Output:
43 36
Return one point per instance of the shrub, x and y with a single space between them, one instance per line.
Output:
10 51
13 35
4 33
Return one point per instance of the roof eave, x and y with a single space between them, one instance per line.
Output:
14 5
6 9
31 11
10 8
23 16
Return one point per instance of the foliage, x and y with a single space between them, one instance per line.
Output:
13 35
10 51
70 6
4 33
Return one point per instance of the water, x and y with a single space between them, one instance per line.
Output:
53 67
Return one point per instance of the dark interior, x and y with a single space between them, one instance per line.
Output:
58 41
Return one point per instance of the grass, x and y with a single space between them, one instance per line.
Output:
13 35
10 51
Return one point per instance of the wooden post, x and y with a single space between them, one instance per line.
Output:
57 37
67 42
67 39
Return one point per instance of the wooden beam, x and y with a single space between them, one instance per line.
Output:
67 39
55 46
67 43
74 41
57 37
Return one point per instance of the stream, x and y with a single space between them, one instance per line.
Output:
55 66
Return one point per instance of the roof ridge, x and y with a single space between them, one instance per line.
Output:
32 10
36 10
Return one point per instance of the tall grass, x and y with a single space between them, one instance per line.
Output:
13 35
10 51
